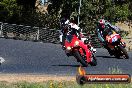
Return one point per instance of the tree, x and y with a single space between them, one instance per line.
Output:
28 4
8 10
24 12
64 8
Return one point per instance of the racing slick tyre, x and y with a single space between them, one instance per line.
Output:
94 61
80 59
116 54
123 52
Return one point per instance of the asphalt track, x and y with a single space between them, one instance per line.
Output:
47 58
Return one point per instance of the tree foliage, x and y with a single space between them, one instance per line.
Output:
8 10
24 12
92 10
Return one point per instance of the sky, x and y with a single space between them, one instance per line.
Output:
44 1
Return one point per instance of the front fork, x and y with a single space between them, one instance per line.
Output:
87 51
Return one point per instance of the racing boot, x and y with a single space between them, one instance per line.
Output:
123 43
93 49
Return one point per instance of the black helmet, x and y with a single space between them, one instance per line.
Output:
64 21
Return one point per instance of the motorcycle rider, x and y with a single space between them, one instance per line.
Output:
102 27
66 25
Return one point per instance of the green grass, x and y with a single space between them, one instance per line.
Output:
63 84
66 84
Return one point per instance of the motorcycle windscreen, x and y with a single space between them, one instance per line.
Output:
69 37
107 32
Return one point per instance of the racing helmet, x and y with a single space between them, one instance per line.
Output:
64 21
102 23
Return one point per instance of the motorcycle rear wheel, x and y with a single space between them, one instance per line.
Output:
124 52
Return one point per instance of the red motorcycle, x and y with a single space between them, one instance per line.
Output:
80 50
116 44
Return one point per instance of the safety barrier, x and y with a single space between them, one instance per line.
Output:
28 33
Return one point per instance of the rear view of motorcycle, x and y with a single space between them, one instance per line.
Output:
116 44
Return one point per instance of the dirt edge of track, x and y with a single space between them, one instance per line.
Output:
11 78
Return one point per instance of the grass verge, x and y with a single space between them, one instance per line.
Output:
63 84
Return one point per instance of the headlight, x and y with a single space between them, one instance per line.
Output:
68 48
76 43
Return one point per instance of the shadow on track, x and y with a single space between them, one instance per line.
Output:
106 56
67 65
109 57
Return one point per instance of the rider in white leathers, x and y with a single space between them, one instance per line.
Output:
65 24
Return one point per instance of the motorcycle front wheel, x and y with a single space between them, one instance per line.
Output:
94 61
80 59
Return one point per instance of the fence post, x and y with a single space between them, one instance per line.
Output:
1 28
38 34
